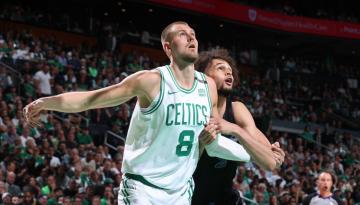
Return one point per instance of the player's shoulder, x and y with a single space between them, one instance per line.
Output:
148 76
212 86
146 82
236 104
149 73
209 81
308 198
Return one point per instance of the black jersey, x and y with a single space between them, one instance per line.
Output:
214 176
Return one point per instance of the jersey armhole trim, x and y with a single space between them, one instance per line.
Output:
158 103
208 93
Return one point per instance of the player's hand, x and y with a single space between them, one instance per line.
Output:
224 126
278 153
32 111
208 134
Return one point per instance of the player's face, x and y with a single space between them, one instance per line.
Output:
325 182
221 72
184 45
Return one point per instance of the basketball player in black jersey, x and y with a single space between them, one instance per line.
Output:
214 176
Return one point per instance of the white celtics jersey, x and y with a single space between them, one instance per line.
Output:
162 141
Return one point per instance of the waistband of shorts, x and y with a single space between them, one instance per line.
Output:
142 180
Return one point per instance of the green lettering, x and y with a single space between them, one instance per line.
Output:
194 114
177 113
197 115
169 123
188 111
204 110
183 114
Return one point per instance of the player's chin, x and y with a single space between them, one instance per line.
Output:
227 88
224 92
191 57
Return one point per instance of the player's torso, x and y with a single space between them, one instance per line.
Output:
162 142
220 171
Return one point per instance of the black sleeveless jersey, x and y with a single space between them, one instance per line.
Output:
214 176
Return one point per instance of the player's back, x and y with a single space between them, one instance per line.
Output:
162 143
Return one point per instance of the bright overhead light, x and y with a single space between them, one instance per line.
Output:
151 10
123 10
221 25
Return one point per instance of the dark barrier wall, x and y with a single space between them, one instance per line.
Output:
154 54
71 39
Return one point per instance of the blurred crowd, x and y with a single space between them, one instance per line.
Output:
305 91
297 177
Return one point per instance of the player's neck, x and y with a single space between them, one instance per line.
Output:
325 194
184 74
221 104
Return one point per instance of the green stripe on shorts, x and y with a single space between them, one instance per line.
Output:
142 180
125 193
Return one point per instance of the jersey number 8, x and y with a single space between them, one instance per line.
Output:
186 139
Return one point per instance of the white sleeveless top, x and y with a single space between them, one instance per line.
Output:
162 142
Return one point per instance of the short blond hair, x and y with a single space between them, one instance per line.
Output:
166 31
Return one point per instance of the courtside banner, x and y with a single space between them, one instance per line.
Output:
259 17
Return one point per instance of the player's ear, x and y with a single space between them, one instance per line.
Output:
167 48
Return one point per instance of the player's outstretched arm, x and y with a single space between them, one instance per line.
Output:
261 154
137 84
264 154
244 119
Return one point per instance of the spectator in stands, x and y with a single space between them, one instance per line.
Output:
273 74
6 198
110 42
29 198
69 80
10 183
42 80
325 182
145 37
5 79
21 52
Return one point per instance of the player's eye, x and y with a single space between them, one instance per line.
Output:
182 33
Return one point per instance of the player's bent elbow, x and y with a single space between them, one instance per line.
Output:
246 158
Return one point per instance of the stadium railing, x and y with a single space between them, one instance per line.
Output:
15 75
112 139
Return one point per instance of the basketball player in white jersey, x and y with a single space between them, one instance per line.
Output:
174 102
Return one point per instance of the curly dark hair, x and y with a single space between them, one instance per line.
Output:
206 57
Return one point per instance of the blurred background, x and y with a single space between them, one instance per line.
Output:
299 70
